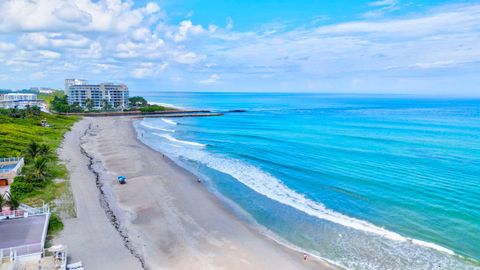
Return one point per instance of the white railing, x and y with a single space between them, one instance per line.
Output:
19 162
35 211
25 211
14 252
12 214
19 165
12 159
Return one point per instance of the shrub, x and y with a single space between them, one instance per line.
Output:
153 108
55 225
137 101
21 188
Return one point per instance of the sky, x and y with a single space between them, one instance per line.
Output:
379 46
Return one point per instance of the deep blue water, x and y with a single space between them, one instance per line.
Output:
369 182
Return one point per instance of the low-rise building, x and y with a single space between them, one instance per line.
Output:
97 96
43 90
23 234
18 100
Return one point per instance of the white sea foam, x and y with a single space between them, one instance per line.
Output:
269 186
168 121
143 123
172 139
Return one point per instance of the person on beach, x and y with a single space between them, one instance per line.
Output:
305 256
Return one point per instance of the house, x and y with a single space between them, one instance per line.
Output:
9 168
22 243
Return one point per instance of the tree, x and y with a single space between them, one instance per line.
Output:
2 202
60 104
105 104
89 104
45 151
138 101
33 150
12 201
39 170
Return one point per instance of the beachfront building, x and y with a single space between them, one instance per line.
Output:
9 168
70 82
42 90
97 96
19 100
23 233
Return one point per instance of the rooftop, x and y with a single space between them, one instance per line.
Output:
23 232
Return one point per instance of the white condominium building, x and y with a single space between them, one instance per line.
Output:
18 100
96 96
70 82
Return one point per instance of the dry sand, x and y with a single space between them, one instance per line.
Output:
164 218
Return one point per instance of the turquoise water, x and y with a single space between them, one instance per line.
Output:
368 182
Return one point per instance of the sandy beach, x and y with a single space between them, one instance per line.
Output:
161 219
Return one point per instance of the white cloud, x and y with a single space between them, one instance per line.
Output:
382 7
5 46
148 70
53 40
185 29
116 40
187 57
382 3
49 54
152 8
72 15
213 79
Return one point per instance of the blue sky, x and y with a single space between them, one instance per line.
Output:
383 46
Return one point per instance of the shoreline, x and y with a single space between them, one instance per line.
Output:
105 204
169 220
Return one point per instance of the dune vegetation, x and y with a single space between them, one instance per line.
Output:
36 135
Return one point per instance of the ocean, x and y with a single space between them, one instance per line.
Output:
364 181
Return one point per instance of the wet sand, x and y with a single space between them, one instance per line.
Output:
162 218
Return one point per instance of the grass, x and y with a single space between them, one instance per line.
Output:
49 97
17 133
15 136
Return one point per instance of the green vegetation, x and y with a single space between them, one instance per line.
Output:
44 178
153 108
55 225
10 200
137 102
49 97
17 113
60 104
18 129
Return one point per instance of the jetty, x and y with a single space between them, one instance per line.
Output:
140 114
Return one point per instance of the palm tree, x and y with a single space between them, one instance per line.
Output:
33 150
12 201
45 151
2 202
39 171
105 104
89 103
